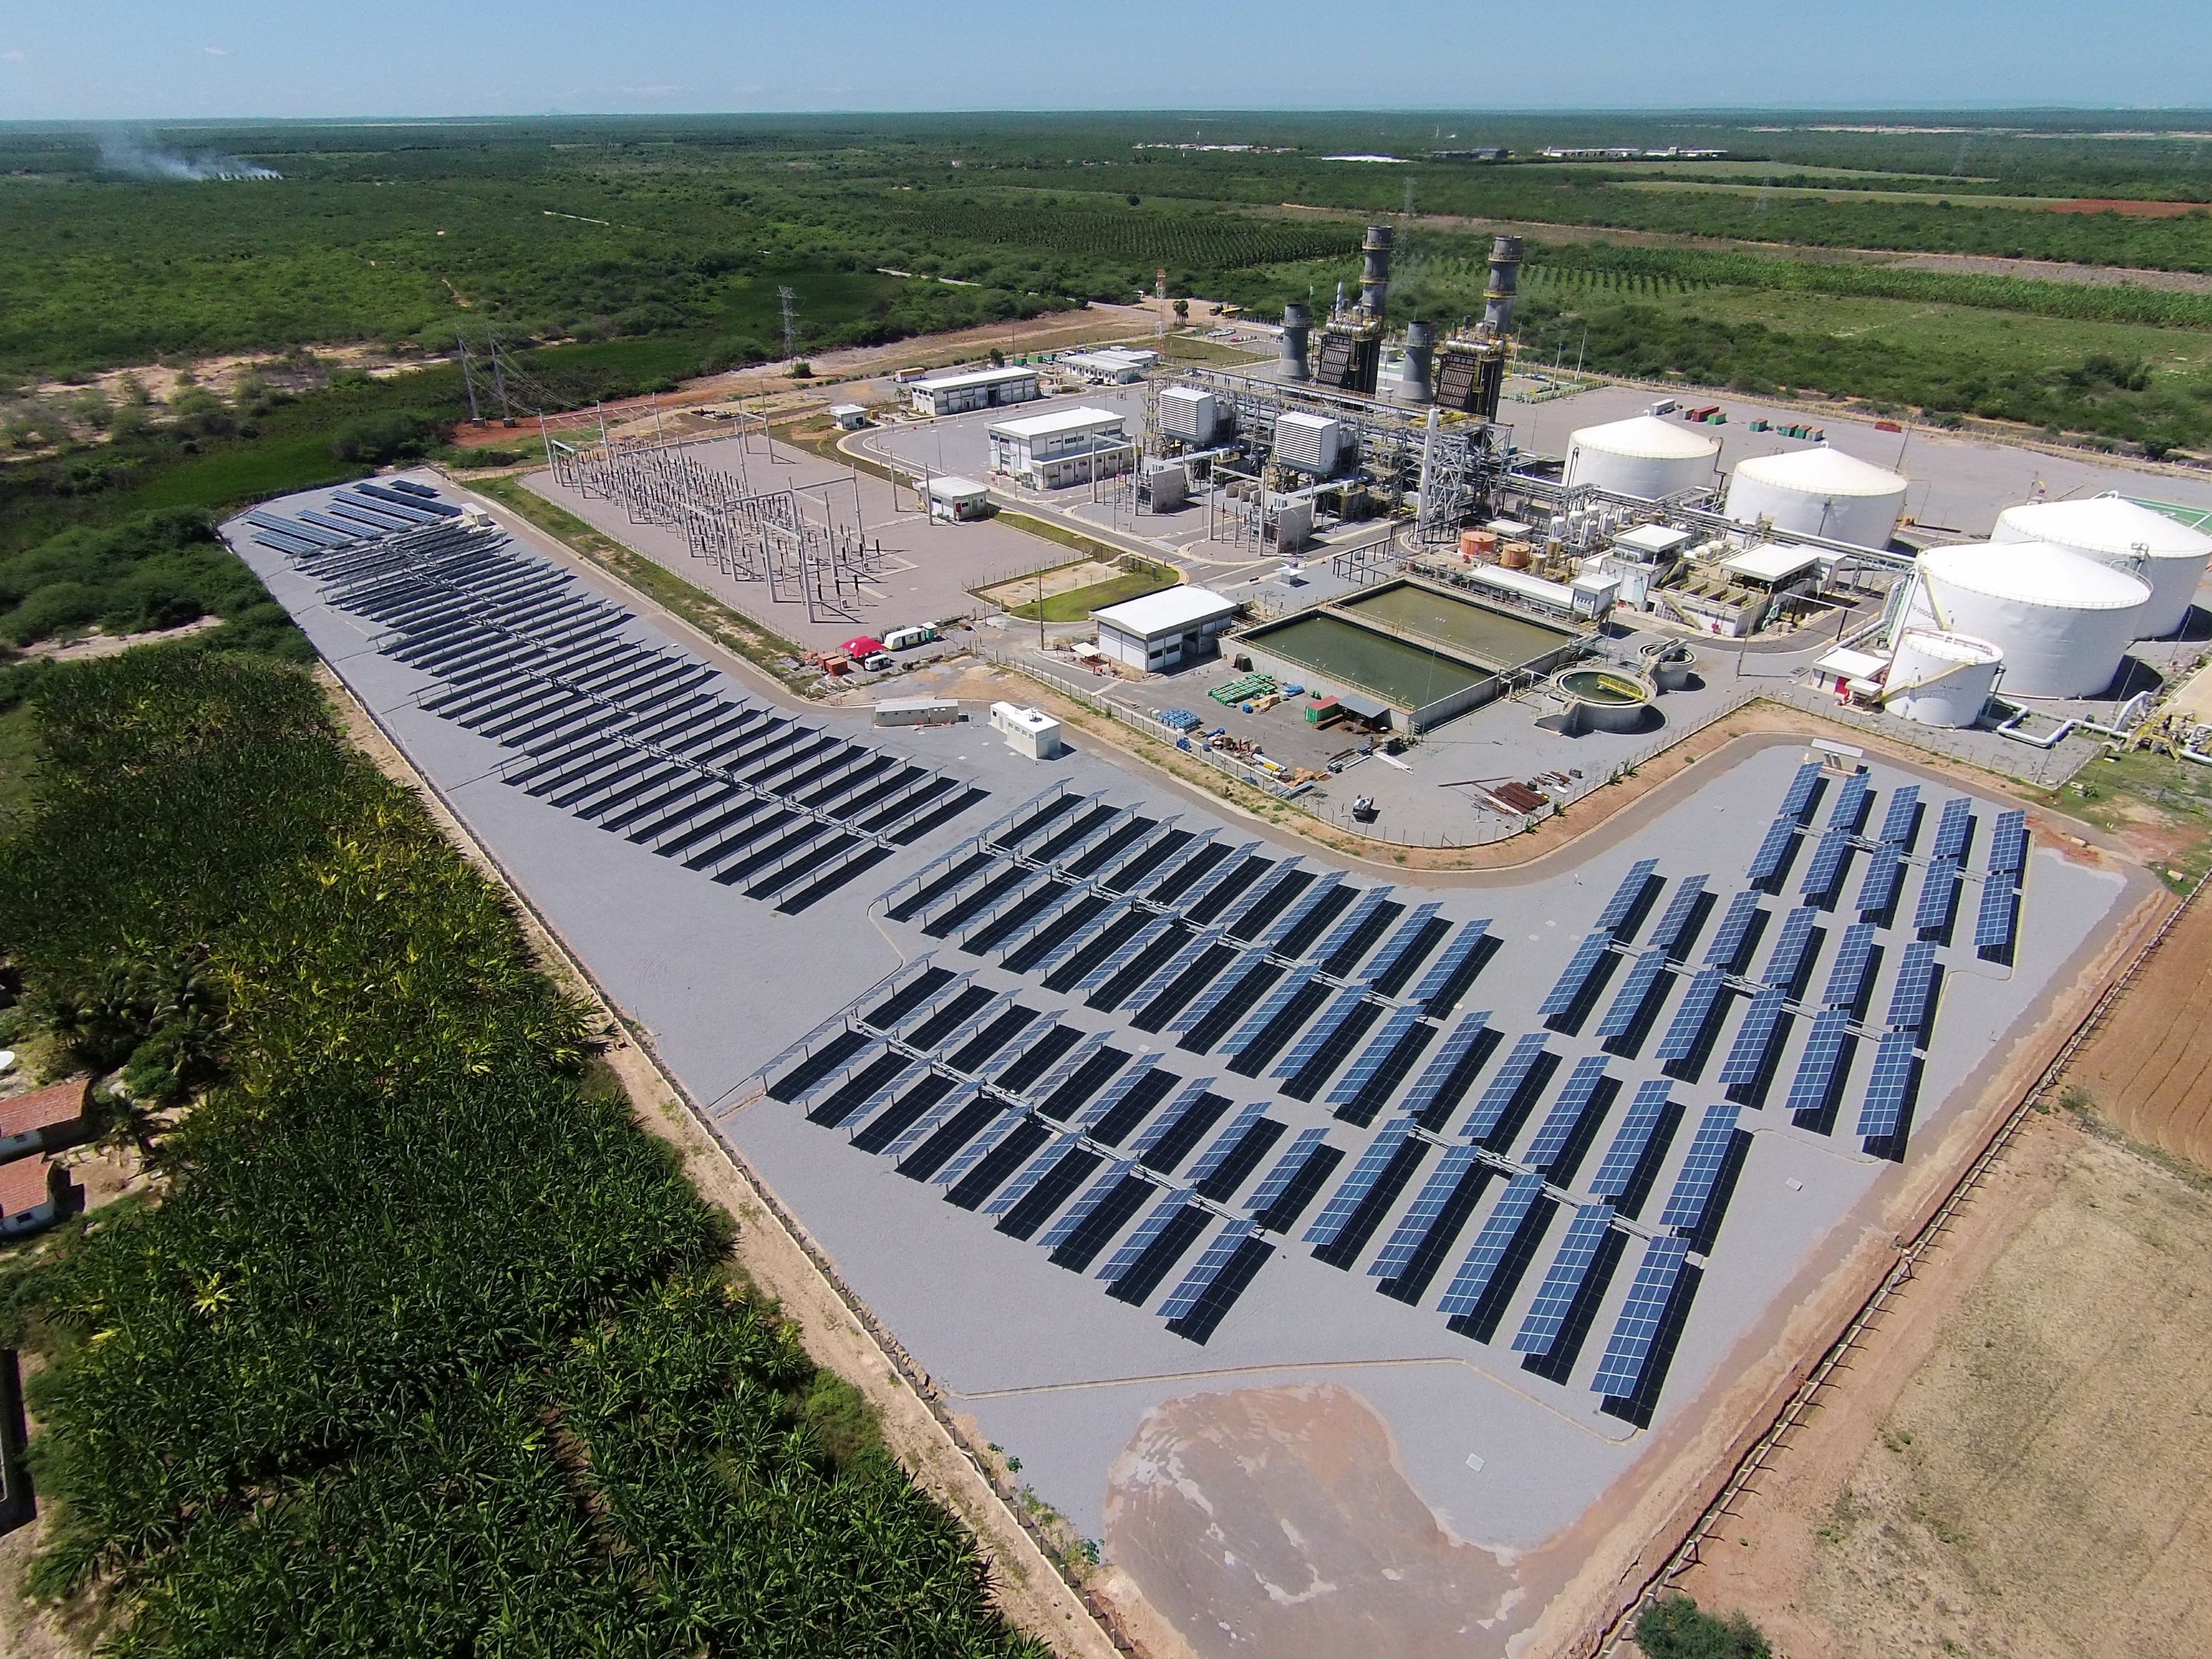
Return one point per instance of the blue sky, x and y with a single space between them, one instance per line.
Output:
125 59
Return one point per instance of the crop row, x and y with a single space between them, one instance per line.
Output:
427 1348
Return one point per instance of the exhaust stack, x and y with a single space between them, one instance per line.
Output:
1297 326
1375 269
1504 286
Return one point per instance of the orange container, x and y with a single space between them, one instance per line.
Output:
1516 556
1478 545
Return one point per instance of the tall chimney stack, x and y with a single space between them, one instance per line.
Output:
1298 325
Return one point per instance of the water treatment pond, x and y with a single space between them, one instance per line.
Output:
1491 637
1398 672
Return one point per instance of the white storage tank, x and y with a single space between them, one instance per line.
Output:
1645 457
1819 492
1940 679
2114 531
2061 621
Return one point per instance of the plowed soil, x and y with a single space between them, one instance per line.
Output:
2149 1067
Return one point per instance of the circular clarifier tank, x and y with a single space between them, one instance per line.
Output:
1605 699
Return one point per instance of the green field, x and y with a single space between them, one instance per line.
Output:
1078 604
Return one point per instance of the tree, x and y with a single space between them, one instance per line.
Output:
1182 310
1674 1627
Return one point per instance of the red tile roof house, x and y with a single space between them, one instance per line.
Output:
34 1191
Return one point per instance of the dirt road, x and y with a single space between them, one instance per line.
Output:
2149 1069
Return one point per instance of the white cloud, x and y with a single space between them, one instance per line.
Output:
12 55
216 52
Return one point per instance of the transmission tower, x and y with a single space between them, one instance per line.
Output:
790 321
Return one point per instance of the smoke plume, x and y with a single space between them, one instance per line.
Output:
128 153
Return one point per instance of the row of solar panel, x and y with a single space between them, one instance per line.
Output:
634 738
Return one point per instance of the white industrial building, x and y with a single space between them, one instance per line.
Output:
1643 456
1111 365
2115 530
1310 443
1067 446
2061 622
1819 492
982 388
1189 414
1165 630
952 497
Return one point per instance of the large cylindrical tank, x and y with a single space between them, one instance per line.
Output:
1819 492
2063 622
2114 531
1415 385
1298 327
1374 269
1643 457
1940 679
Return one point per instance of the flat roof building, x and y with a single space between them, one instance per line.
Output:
982 388
1111 365
1165 630
952 497
1066 446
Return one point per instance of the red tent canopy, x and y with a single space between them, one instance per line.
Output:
864 646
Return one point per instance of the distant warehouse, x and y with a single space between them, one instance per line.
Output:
982 388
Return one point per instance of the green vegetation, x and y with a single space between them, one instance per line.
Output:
426 1348
1675 1627
1076 604
19 762
154 570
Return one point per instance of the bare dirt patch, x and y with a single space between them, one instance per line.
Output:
2149 1066
2126 207
1276 1521
2013 1467
1027 590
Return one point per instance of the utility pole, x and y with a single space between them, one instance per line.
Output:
468 380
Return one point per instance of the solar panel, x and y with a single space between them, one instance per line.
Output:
1380 1052
1826 873
1306 903
1452 968
1672 934
1124 953
1402 951
2008 843
1349 926
1436 1194
1915 979
1848 813
1124 1086
1232 979
1939 896
1747 1059
1504 1088
1574 980
1225 1143
1785 962
1882 1110
1265 895
1650 1108
1622 905
1139 1242
1726 952
1171 970
1687 1029
1076 1059
1628 1352
931 1121
1847 975
1884 880
1035 1170
1493 1245
1563 1284
1278 1180
1558 1130
1701 1169
1425 1099
972 1154
1628 1003
1815 1082
1953 829
1275 1001
2000 916
1323 1032
1184 1299
1192 1096
1337 1213
1897 821
1100 1190
1767 863
1801 788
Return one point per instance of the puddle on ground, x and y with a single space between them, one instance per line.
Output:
1276 1521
